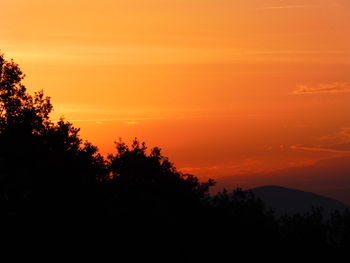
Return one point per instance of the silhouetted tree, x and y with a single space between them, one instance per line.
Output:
339 233
243 218
307 231
148 185
47 173
19 111
42 163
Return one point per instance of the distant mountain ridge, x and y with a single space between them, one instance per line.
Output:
290 201
327 177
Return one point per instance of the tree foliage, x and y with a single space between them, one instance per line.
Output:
48 171
39 159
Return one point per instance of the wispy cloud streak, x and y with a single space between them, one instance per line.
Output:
285 7
332 149
337 87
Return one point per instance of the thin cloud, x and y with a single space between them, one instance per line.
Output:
131 122
340 137
338 142
127 120
285 7
246 166
336 87
338 148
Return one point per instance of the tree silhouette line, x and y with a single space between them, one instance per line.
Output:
50 176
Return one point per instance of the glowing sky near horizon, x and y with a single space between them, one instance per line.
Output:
223 86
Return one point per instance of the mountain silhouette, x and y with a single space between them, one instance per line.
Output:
286 201
327 177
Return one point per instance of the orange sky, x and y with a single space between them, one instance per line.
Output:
223 86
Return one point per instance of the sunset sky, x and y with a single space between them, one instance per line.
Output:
224 87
